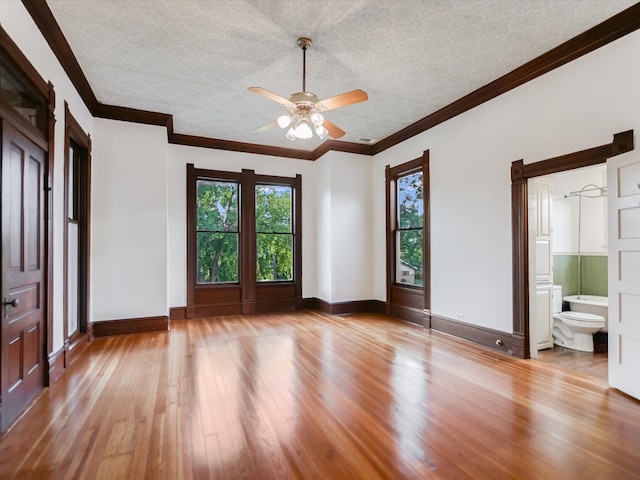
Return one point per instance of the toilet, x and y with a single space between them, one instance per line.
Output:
573 330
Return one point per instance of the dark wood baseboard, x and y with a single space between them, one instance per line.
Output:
56 362
177 313
75 348
409 314
345 308
131 325
481 335
311 303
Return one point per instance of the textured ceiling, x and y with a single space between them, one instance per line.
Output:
194 59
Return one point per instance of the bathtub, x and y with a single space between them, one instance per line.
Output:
590 304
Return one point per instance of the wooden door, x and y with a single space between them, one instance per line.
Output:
624 272
23 287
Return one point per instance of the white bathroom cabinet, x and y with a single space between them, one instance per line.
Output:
544 312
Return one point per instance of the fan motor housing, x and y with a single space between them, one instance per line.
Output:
306 97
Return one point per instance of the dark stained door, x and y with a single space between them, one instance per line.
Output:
23 335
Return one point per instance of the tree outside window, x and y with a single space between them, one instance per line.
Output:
217 231
409 234
274 233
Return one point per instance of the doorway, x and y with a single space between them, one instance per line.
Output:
568 256
23 273
27 122
520 175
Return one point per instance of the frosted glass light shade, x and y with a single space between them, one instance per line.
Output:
322 132
291 135
303 131
317 119
284 121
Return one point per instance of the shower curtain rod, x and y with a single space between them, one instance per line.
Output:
593 188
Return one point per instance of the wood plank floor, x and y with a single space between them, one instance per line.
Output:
595 364
310 396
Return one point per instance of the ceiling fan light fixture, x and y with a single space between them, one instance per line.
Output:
317 119
303 131
322 132
284 121
305 108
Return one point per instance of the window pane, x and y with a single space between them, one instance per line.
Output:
409 267
18 96
217 257
410 201
275 257
72 184
217 206
273 208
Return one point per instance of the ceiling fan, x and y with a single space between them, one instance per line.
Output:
305 109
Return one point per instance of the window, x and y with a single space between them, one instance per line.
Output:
243 245
274 232
217 231
77 210
15 91
409 232
408 282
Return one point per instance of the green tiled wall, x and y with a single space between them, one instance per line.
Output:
594 274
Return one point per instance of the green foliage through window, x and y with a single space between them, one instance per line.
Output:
409 239
217 231
274 233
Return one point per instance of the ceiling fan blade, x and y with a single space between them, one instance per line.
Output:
333 129
344 99
266 127
270 95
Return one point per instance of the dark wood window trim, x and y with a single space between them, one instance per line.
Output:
408 302
248 295
45 140
80 214
520 174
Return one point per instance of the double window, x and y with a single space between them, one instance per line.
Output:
244 245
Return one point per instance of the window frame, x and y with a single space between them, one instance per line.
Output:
291 232
236 231
249 295
77 211
409 302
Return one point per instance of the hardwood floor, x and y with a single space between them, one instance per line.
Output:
307 395
595 364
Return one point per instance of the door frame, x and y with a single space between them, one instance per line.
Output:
44 140
520 174
75 345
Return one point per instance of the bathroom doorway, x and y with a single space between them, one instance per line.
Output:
568 258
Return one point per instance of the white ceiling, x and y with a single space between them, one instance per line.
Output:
194 59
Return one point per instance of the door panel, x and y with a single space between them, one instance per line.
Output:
22 346
624 272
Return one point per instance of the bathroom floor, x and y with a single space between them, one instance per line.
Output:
594 364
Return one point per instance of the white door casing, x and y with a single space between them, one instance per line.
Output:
624 272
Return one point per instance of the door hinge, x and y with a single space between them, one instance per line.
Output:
45 183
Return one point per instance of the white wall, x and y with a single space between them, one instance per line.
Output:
564 217
578 106
129 221
344 227
20 27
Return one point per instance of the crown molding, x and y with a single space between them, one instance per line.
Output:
606 32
